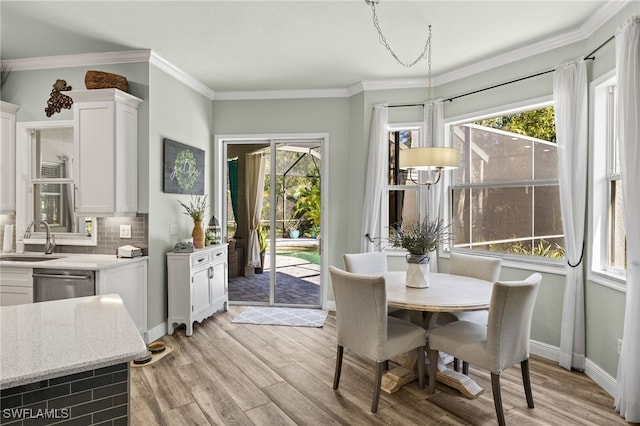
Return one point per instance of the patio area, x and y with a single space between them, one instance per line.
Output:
297 280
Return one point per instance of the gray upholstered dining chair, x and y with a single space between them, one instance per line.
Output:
364 327
500 344
365 263
482 268
371 263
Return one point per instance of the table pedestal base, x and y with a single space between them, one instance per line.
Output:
393 380
457 380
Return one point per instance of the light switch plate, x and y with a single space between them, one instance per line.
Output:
125 231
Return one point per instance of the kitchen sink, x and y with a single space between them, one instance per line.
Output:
41 258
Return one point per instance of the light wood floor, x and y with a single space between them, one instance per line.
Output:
234 374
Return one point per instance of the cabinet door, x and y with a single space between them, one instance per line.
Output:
8 158
10 295
218 285
95 165
200 290
130 282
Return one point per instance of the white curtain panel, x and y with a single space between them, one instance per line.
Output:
627 400
255 168
570 98
376 172
433 137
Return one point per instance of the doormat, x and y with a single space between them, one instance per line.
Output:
296 317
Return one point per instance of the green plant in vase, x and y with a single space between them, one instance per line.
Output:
195 210
419 239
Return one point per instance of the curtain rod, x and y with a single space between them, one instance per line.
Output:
404 105
588 57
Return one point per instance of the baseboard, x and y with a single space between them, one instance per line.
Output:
157 332
601 377
591 369
544 350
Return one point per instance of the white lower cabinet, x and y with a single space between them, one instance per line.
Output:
129 280
197 285
16 286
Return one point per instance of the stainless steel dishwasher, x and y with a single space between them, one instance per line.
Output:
55 284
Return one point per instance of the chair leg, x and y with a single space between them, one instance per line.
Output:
497 397
455 364
524 366
465 368
336 376
377 384
421 350
433 369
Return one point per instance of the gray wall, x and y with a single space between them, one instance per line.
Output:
183 115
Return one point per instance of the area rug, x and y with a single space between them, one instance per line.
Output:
296 317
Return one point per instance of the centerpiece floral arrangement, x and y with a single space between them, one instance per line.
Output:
420 237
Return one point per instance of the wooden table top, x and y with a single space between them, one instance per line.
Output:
446 293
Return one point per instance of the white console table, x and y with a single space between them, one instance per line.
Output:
197 285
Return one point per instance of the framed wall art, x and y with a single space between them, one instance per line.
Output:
183 168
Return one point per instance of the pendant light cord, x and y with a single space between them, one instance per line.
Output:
426 50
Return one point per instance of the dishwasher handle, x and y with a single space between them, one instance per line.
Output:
61 276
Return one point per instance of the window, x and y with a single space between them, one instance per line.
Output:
505 195
610 255
45 154
402 201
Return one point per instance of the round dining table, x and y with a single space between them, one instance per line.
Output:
446 293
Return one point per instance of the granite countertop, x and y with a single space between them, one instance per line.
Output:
50 339
92 262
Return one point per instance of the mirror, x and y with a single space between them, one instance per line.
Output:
51 189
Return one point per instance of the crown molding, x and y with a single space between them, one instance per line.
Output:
105 58
281 94
602 15
181 76
79 60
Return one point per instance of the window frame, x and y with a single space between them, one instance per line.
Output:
450 123
603 174
25 181
384 205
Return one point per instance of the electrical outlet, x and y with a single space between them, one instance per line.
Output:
173 229
125 231
619 346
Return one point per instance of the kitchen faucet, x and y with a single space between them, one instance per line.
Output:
50 243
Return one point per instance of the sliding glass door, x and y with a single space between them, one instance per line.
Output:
273 216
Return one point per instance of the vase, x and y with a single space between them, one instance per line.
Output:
198 234
417 271
294 233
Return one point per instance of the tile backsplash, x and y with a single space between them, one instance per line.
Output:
108 236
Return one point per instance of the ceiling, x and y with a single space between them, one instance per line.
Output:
277 45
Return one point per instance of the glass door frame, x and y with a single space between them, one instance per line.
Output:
219 201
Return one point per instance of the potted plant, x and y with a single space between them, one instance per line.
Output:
292 227
419 239
195 210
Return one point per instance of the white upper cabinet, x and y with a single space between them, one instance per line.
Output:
106 143
8 157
